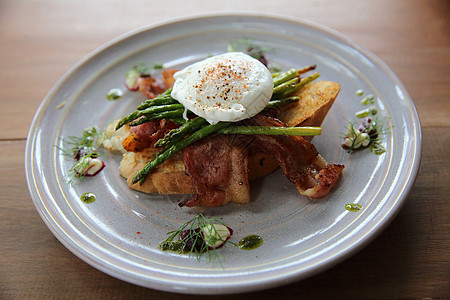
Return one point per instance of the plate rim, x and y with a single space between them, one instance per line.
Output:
356 246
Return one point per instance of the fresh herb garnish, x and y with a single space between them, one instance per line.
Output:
84 151
74 145
366 135
198 236
203 236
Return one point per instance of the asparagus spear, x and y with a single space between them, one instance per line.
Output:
285 86
156 101
278 102
153 109
178 133
172 115
221 127
164 98
272 130
276 74
285 76
168 152
188 127
306 69
292 73
293 88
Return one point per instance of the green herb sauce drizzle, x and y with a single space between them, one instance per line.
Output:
88 198
353 207
250 242
114 94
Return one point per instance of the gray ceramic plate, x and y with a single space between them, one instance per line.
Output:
119 232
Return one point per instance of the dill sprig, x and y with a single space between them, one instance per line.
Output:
376 140
88 142
80 167
369 134
81 149
190 239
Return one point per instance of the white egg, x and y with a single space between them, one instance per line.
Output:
227 87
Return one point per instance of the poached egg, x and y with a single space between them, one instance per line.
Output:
229 87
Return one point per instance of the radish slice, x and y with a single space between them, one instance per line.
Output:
96 165
88 166
131 80
215 235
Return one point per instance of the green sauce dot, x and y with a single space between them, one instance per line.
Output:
176 246
353 207
359 92
87 198
250 242
114 94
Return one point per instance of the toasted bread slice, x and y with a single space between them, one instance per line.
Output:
315 101
169 178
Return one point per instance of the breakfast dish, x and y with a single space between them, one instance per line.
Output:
231 91
118 230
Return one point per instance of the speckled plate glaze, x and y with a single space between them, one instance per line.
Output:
120 231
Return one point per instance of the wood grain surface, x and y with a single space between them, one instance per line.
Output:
41 39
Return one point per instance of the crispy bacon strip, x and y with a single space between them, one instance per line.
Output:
219 172
145 135
298 159
152 87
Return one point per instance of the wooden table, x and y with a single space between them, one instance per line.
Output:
40 40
